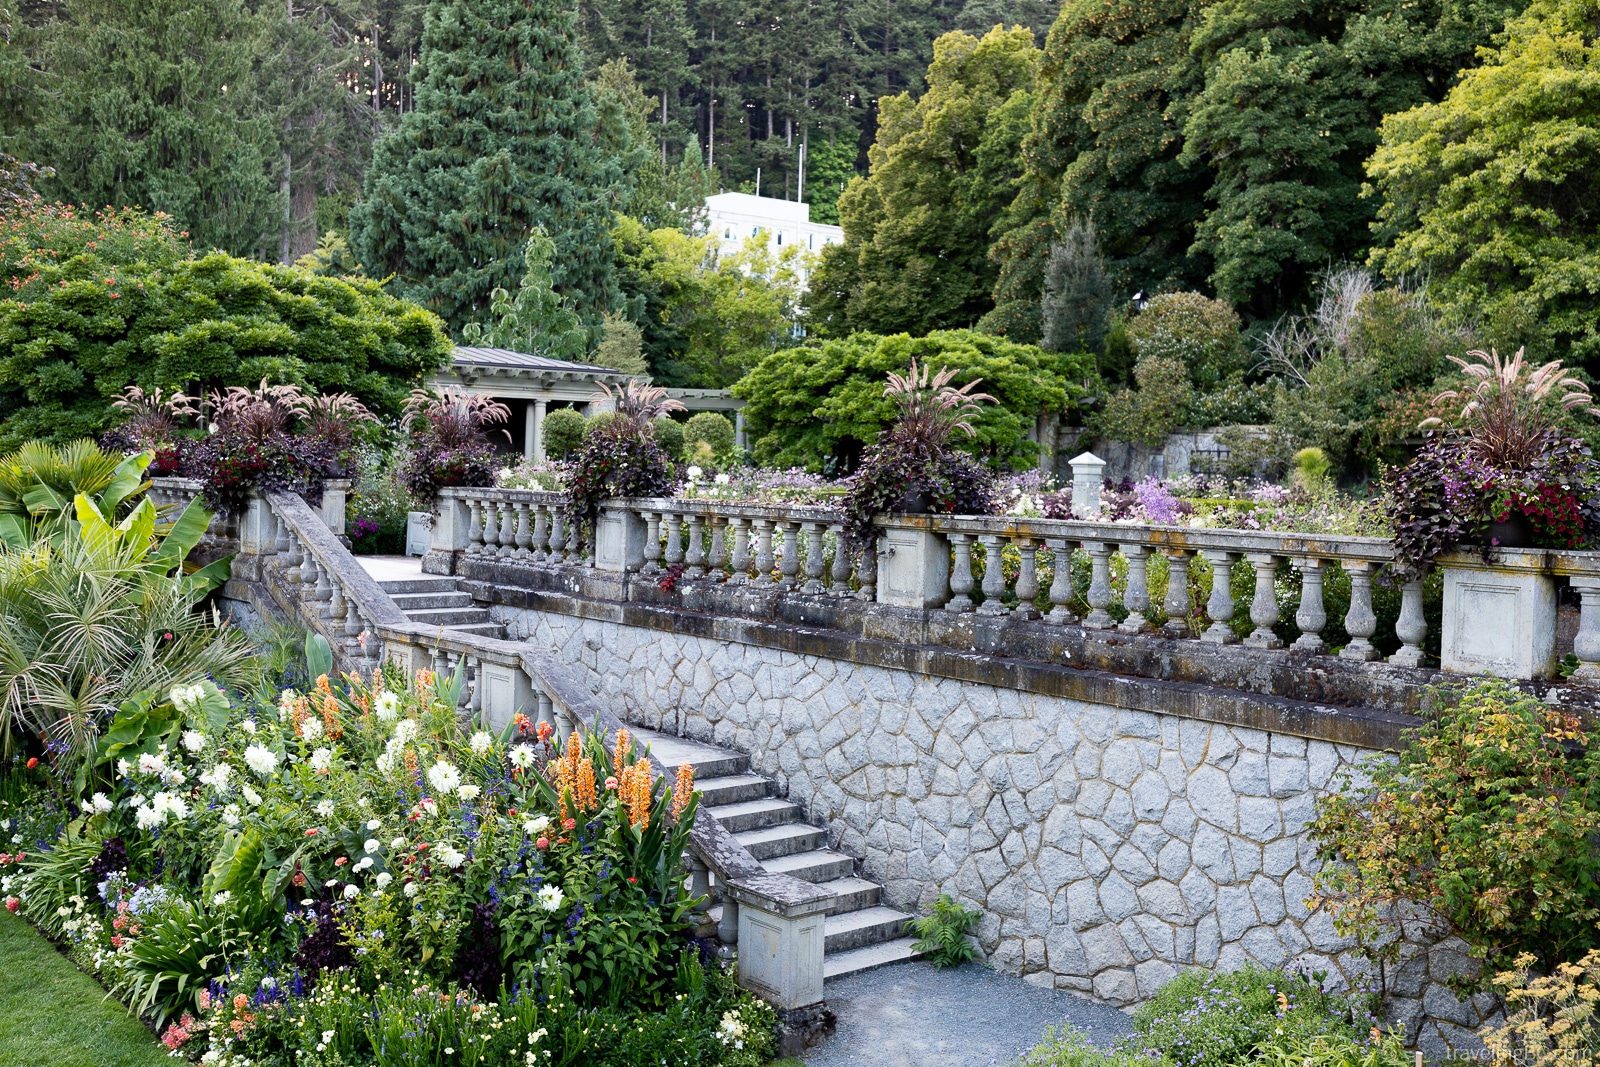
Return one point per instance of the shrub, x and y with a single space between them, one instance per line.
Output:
668 434
710 429
1200 333
562 432
942 934
1483 828
1158 407
621 456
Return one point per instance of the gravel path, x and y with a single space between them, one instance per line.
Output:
911 1015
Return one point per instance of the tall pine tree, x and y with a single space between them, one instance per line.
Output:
504 138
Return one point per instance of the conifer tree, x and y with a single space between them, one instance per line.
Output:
504 138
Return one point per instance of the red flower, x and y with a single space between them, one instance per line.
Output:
33 761
341 861
311 832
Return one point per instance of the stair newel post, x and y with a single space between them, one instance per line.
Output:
740 560
789 566
652 543
695 558
813 557
508 528
541 531
475 527
523 536
840 575
717 561
1060 583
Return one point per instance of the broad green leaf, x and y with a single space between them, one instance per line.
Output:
186 532
319 656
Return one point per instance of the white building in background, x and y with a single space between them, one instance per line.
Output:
733 218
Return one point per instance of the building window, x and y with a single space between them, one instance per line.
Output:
811 241
780 237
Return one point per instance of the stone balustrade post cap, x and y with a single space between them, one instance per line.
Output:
1086 459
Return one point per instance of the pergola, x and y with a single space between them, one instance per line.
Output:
534 383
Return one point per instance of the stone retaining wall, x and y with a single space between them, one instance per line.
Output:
1106 847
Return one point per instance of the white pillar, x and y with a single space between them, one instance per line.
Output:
1087 470
535 446
739 439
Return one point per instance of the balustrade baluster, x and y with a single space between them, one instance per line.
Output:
475 526
1176 604
308 566
1310 616
740 561
324 589
524 538
1100 594
294 560
540 542
558 532
764 560
336 605
699 884
1412 626
867 572
717 561
575 542
1027 581
813 558
352 617
1360 622
994 578
673 528
839 584
544 711
652 543
1136 598
475 665
491 527
961 582
1264 607
695 558
280 542
1219 608
728 925
789 566
371 648
508 529
1586 646
1060 583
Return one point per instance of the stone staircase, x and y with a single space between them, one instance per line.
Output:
859 933
438 602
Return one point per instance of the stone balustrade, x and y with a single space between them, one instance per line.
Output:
1499 617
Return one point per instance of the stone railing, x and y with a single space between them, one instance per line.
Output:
287 547
1499 615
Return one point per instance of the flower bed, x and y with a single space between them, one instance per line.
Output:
347 876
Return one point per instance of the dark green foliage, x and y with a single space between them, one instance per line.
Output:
620 455
1076 297
1158 406
943 169
502 139
669 434
942 933
824 403
562 432
710 429
84 326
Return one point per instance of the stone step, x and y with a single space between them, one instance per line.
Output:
484 629
754 814
418 585
818 865
869 926
709 763
409 602
450 617
869 957
851 894
731 788
774 841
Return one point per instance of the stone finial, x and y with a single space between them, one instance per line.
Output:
1087 471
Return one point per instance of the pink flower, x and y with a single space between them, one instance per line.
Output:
542 843
12 904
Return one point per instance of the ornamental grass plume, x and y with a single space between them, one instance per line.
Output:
682 789
1510 407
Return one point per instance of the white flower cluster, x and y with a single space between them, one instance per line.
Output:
388 706
262 760
481 743
550 897
217 778
445 777
154 812
187 698
731 1030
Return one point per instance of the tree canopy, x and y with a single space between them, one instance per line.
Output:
819 405
943 169
1493 189
102 302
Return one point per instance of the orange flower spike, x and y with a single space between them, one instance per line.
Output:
584 788
302 712
410 758
619 758
682 789
637 793
574 747
330 717
322 684
377 680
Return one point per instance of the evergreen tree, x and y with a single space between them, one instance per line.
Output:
1104 148
152 103
505 137
537 320
943 169
1076 297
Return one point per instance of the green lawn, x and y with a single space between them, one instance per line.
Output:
54 1015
